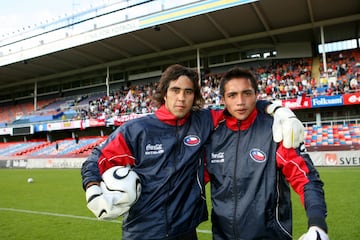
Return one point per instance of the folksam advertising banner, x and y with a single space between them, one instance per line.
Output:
327 101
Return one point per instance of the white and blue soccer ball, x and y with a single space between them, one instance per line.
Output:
125 180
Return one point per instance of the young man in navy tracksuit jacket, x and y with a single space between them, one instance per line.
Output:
250 173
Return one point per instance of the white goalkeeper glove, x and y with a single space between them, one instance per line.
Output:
286 127
105 204
314 233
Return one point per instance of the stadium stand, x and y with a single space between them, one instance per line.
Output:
19 148
315 136
278 79
39 149
335 135
84 100
65 147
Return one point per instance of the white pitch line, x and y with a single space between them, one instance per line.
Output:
72 216
54 214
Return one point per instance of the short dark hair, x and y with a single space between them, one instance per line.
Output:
172 73
238 72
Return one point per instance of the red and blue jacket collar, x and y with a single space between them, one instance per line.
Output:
236 125
164 115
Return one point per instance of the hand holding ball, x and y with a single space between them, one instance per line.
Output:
119 190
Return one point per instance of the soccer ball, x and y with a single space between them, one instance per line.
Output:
30 180
124 180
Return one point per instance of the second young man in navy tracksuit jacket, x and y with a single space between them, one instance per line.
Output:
250 173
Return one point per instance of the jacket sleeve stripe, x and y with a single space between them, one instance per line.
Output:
110 154
294 169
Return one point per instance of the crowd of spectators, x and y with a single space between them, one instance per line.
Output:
345 68
277 80
294 78
127 100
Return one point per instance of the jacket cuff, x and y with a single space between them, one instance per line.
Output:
319 222
261 105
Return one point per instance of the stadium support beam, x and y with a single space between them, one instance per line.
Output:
35 95
323 51
198 64
107 81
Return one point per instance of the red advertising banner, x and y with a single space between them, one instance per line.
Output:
297 103
96 122
122 119
351 98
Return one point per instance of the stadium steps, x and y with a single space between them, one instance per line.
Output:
315 136
30 149
88 148
83 143
13 148
7 149
66 147
50 150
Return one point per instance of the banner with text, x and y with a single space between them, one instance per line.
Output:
340 158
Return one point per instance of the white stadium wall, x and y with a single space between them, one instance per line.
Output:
336 158
42 163
323 158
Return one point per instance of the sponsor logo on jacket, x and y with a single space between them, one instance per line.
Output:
217 157
154 149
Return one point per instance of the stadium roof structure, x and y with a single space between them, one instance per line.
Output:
257 24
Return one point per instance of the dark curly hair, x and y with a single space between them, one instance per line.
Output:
172 73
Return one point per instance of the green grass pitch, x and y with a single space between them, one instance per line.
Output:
53 206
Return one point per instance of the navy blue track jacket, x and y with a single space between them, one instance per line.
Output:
165 153
249 175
